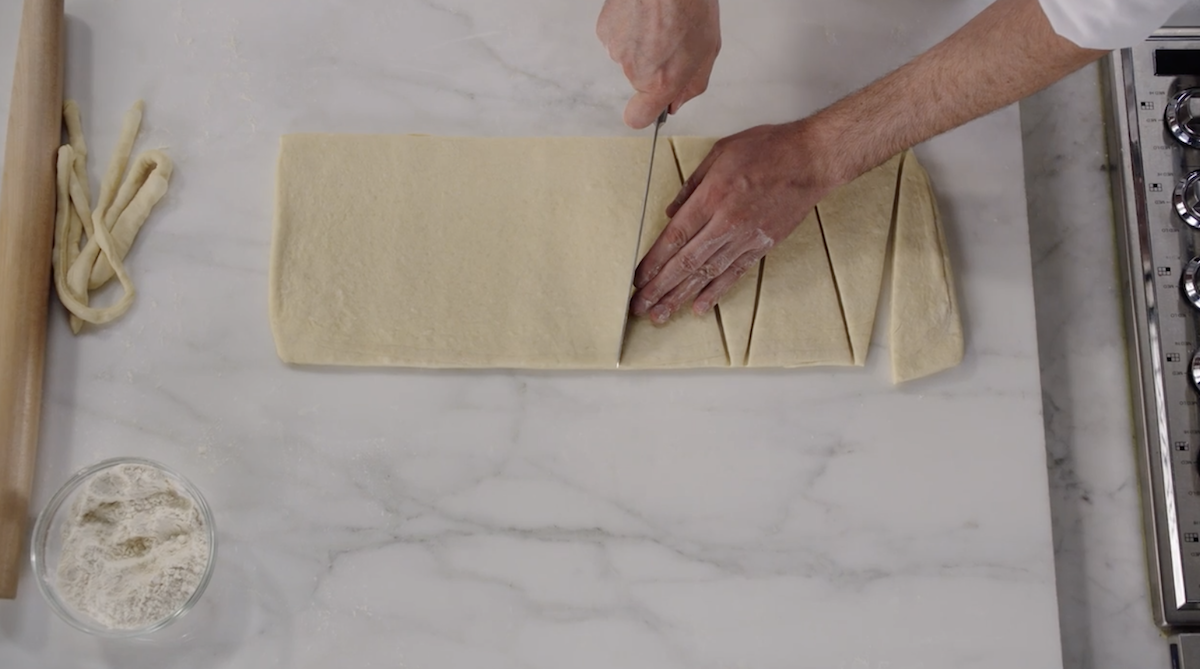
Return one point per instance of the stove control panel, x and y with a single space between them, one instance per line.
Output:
1155 114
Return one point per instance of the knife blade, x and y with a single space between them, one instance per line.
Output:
662 118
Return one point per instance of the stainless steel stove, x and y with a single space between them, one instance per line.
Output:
1154 122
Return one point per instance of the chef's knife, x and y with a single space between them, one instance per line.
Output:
662 118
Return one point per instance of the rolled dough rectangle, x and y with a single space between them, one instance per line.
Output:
441 252
450 252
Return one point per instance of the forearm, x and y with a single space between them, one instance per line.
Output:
1007 52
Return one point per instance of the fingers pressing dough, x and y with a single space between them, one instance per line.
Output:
688 340
736 307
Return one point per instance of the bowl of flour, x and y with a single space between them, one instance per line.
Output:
125 548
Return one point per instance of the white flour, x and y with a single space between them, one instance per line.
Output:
134 548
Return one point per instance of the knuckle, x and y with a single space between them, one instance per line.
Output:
741 184
688 264
676 237
746 262
657 82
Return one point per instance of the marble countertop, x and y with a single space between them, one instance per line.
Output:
817 518
1106 617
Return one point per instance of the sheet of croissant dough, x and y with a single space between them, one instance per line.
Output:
736 307
857 222
799 320
926 329
473 252
449 252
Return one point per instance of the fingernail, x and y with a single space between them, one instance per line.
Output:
702 308
660 314
641 306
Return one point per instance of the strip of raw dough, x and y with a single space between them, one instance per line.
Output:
926 329
799 321
111 228
455 252
688 341
856 220
736 308
92 264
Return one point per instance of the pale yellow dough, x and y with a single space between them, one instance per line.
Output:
857 221
688 340
124 205
471 252
447 252
927 335
798 321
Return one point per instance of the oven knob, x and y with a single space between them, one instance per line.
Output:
1191 279
1196 370
1187 199
1183 117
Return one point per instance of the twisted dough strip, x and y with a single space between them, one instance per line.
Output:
111 227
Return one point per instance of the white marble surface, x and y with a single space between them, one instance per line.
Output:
383 518
1102 577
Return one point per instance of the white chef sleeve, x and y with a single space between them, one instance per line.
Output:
1108 24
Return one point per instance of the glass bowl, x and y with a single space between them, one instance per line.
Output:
48 541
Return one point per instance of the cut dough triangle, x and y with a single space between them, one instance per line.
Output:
736 308
799 321
926 335
688 340
856 220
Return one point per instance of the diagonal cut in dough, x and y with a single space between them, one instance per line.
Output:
926 330
688 340
736 308
856 220
799 321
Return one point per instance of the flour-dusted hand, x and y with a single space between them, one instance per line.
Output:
749 193
666 47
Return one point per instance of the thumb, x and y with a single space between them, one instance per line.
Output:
644 108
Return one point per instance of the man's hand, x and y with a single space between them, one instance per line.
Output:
754 188
751 191
666 47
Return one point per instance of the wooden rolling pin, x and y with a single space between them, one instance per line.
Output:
27 199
